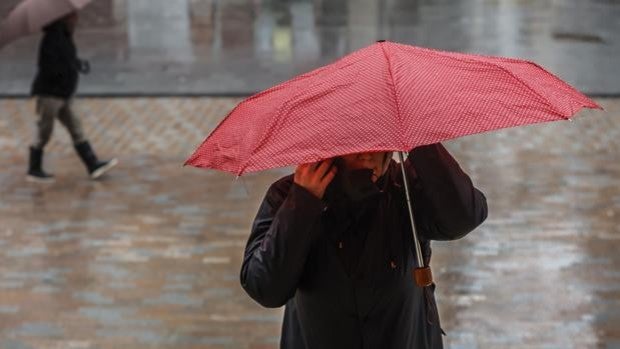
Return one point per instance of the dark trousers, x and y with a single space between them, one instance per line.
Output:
48 110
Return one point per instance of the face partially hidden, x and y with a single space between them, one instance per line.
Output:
376 161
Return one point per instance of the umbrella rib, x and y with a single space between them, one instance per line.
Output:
466 59
394 92
575 94
544 99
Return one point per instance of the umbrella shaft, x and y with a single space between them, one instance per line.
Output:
416 243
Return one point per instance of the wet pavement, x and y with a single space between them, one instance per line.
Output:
149 256
180 47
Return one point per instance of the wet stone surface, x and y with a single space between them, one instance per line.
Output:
149 256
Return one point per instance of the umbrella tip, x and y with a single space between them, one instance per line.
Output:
381 40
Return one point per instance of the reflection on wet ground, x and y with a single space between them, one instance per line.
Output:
149 257
241 46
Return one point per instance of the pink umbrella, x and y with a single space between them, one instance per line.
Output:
384 97
30 16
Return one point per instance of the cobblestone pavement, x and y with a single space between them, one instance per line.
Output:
149 256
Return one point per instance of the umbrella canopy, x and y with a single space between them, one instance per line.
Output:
385 97
30 16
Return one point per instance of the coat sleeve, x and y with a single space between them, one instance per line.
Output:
285 227
446 204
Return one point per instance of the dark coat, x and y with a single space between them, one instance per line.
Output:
294 256
58 66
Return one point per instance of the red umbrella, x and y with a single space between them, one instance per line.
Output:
385 97
30 16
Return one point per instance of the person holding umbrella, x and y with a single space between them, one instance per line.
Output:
54 86
338 241
333 243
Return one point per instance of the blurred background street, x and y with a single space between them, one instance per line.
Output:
149 256
242 46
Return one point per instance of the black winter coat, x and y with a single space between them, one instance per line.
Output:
294 256
58 66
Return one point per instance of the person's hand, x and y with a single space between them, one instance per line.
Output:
315 177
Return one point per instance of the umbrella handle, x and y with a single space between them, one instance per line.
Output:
422 275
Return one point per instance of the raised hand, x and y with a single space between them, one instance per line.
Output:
315 177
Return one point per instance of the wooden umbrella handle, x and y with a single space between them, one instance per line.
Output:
423 276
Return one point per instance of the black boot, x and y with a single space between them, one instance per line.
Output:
95 167
35 169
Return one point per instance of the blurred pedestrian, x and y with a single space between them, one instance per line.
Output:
54 87
333 243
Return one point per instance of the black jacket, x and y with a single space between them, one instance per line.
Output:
294 257
59 66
